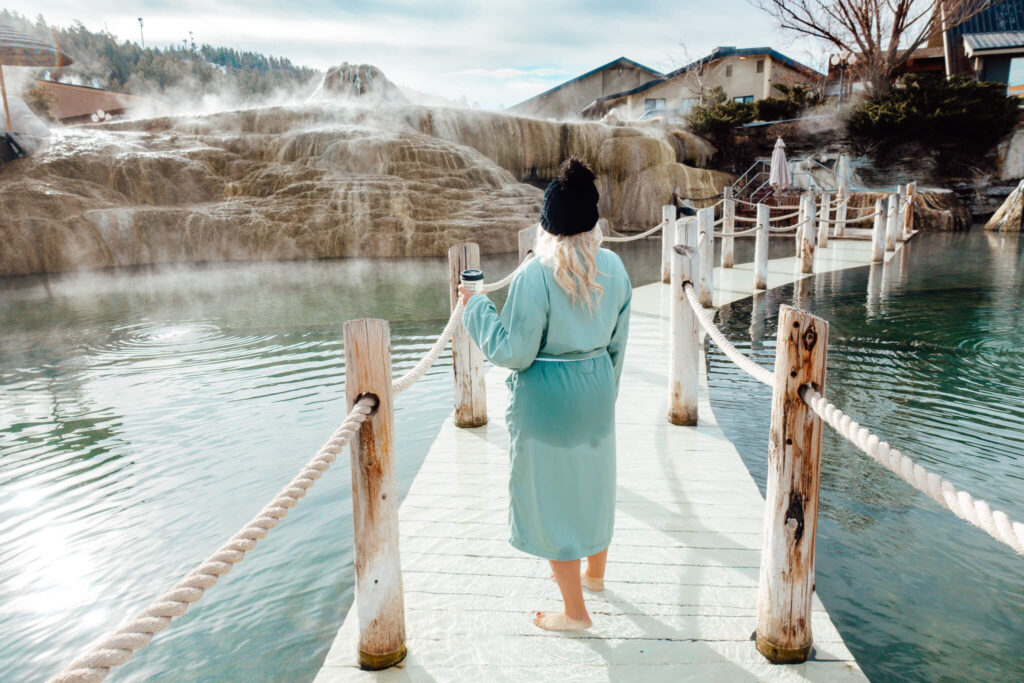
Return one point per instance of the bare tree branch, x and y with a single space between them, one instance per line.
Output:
881 34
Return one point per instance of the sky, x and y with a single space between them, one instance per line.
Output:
493 53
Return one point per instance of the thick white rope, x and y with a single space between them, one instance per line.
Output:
118 647
741 233
960 503
774 219
759 373
786 228
851 220
786 206
630 238
408 379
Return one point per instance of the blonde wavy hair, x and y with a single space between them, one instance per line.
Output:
573 262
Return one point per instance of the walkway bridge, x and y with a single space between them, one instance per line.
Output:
706 579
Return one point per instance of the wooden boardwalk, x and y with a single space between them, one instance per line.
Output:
681 596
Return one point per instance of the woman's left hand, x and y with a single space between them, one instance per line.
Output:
464 294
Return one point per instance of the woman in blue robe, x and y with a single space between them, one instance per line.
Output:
563 333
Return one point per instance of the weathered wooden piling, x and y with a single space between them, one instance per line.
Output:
786 585
728 227
892 217
684 339
668 233
379 600
823 215
467 359
843 201
908 213
878 233
706 248
805 232
761 248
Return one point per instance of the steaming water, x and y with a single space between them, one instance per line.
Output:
927 351
146 415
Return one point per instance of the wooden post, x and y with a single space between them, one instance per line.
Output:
761 248
3 92
786 584
379 601
908 214
728 227
806 232
823 216
901 206
706 247
892 222
684 340
527 238
878 233
668 219
467 358
844 199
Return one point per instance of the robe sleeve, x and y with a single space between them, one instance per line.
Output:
617 343
512 339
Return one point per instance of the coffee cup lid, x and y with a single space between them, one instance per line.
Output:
472 275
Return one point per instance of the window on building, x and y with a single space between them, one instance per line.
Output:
728 70
746 99
760 66
688 104
654 103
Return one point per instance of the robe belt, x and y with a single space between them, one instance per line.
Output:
570 357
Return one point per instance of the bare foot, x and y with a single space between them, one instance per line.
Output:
592 584
560 621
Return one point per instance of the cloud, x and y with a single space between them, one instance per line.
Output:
494 53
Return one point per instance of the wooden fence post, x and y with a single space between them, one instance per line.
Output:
728 227
668 233
379 602
706 247
786 585
806 240
878 233
844 199
823 216
467 358
527 238
892 215
761 248
684 340
908 214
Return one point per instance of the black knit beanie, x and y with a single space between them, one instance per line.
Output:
570 200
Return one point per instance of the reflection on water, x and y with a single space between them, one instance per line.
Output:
927 351
146 415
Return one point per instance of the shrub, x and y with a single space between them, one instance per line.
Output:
776 109
960 118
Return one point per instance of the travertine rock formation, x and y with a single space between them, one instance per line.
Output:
319 180
1008 217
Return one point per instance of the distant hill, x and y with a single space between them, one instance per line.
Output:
102 61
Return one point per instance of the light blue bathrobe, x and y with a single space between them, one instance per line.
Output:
561 418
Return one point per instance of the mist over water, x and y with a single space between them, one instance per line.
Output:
146 415
926 352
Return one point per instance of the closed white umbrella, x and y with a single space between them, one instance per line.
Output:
778 176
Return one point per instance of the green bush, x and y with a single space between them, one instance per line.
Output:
776 109
717 120
960 118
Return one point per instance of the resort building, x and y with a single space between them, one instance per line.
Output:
745 74
566 100
989 47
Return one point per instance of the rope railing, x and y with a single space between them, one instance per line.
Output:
741 233
962 504
996 523
630 238
118 647
759 373
860 219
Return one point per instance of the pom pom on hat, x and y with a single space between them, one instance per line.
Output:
570 200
